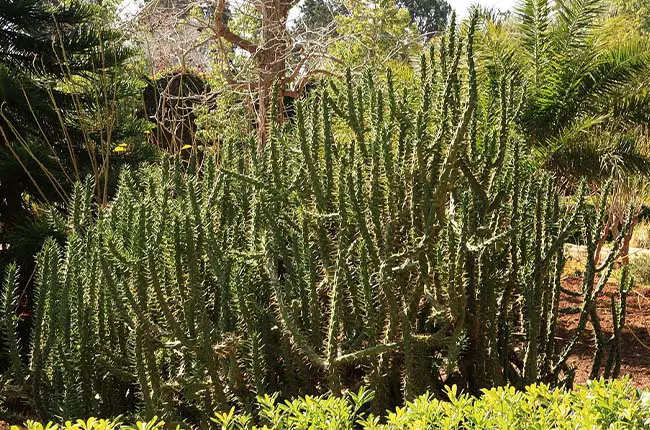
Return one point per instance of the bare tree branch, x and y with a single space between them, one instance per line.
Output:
223 31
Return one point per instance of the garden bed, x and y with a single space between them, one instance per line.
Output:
635 360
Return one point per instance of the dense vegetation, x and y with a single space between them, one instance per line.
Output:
600 405
400 231
67 102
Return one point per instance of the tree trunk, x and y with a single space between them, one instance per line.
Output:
270 56
613 227
272 59
603 237
625 247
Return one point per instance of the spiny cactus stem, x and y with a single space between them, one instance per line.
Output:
296 335
599 343
503 129
448 166
9 323
561 238
477 188
590 294
446 99
355 357
162 301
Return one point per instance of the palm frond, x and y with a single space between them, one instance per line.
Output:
574 24
618 67
596 149
534 27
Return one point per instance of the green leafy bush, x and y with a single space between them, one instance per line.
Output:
598 405
397 238
640 267
95 424
613 405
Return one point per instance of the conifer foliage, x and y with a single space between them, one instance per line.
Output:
66 104
395 239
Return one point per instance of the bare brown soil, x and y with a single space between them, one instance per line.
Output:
635 347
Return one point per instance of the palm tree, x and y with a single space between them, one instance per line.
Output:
585 106
585 109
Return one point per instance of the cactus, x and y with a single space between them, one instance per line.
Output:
400 242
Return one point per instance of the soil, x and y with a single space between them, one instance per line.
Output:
635 347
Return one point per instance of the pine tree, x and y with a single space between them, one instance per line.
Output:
66 112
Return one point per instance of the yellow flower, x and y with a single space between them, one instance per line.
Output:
122 147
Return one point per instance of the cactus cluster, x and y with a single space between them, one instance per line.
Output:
388 237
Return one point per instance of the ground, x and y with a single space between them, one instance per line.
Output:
635 349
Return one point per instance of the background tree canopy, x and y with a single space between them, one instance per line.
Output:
430 16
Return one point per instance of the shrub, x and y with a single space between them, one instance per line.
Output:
95 424
641 235
614 405
640 267
401 242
